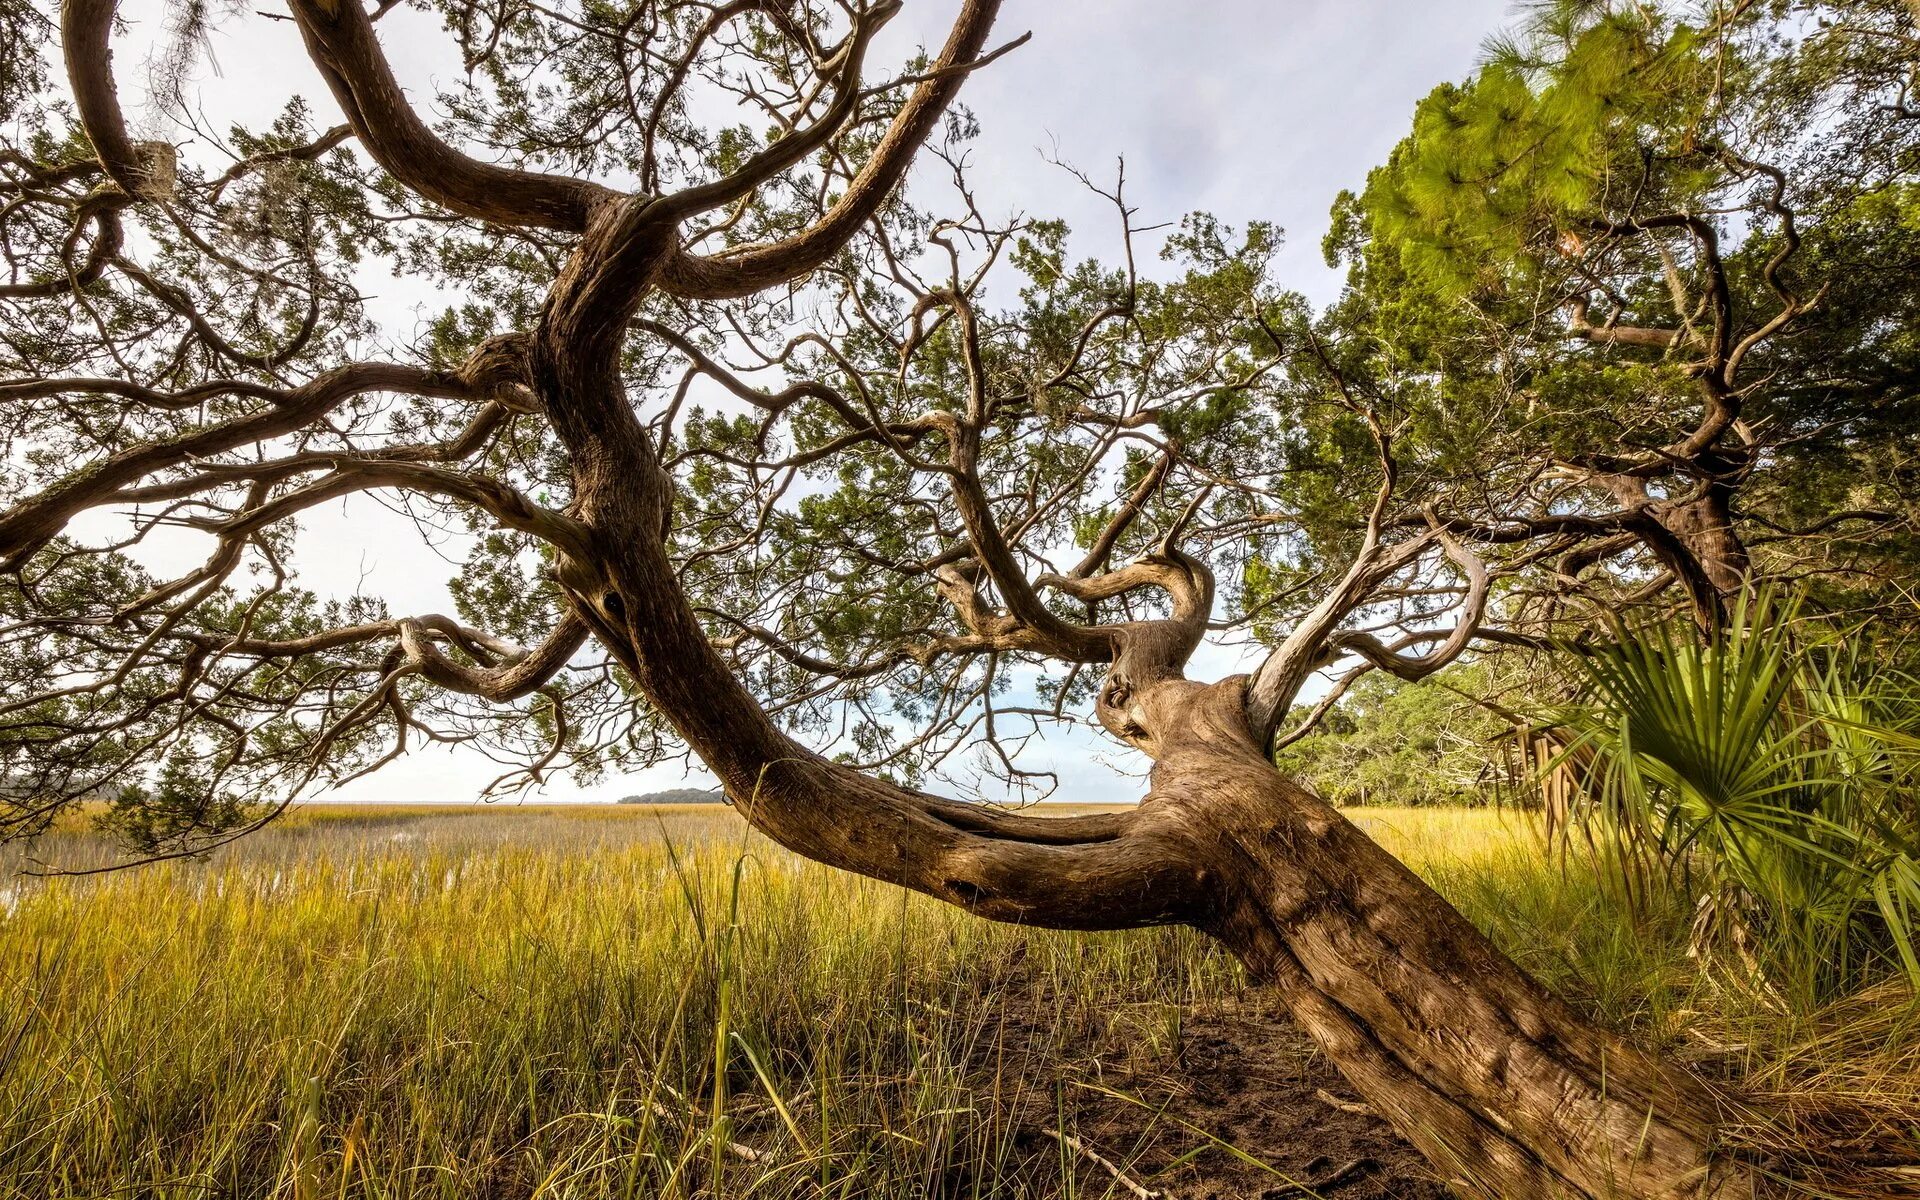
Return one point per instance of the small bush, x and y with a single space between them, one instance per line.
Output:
1773 759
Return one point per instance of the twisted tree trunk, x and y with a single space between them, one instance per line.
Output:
1501 1086
1506 1090
1498 1083
1704 526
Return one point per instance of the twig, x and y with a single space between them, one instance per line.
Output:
1345 1106
1093 1156
1311 1189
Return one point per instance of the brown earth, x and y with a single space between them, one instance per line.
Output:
1238 1107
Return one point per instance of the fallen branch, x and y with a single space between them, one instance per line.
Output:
1096 1158
1346 1106
1311 1189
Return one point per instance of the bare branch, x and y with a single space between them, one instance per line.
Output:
341 41
753 269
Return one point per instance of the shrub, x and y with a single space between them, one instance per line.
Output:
1776 760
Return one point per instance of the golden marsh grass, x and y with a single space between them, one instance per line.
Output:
622 1002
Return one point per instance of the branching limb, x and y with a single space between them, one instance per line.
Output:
753 269
517 672
1308 647
1413 668
340 39
35 520
844 72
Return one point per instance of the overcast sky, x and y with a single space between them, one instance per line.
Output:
1249 109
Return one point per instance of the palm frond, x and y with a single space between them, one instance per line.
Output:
1770 759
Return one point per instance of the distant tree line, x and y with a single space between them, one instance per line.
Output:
1391 741
678 796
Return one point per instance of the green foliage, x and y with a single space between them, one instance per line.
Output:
1589 106
1780 760
178 810
1393 742
1619 164
24 31
810 511
143 761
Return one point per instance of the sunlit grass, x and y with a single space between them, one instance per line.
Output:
402 1004
532 1002
1634 967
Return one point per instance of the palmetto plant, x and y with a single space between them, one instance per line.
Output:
1773 764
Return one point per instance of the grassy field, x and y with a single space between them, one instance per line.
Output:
624 1002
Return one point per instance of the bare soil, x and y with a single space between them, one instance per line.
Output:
1240 1106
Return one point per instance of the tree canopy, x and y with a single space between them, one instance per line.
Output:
1652 269
1628 307
751 453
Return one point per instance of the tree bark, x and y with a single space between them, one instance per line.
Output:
1705 527
1506 1091
1501 1086
1695 538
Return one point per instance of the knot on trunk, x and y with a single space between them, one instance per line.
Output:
1115 708
499 370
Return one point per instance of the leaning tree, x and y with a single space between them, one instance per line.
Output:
744 456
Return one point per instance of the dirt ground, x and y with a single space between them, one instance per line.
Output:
1240 1106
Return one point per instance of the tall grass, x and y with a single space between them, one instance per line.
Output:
1841 1073
495 1006
614 1003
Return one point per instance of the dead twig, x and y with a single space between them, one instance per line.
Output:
1311 1189
1097 1159
1345 1106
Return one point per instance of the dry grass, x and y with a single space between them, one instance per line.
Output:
401 1003
424 1001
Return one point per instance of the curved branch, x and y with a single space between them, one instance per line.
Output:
1184 578
506 504
477 434
86 30
1611 333
340 39
771 402
1306 649
649 172
1414 668
794 656
743 272
102 209
796 145
34 521
523 673
309 152
1130 509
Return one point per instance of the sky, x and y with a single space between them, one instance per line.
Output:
1248 109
